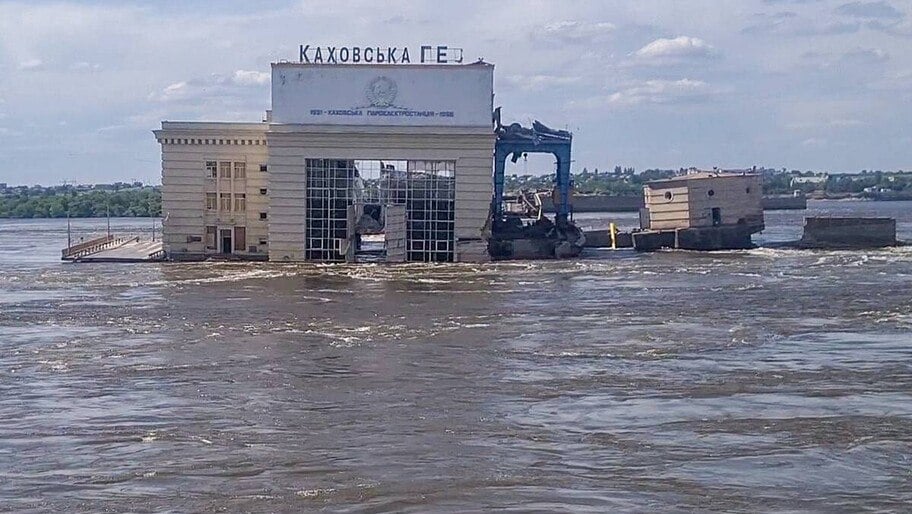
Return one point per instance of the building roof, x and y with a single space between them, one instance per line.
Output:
385 65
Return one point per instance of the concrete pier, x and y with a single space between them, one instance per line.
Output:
849 233
115 249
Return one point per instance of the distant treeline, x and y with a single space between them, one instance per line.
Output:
57 202
629 182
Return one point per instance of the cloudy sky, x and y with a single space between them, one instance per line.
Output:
808 84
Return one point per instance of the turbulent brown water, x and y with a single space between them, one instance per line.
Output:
762 380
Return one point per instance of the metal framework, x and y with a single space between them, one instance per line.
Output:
329 193
426 189
515 140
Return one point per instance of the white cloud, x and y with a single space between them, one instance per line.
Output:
676 48
650 92
541 82
900 80
792 24
172 92
661 92
814 142
214 88
571 31
85 66
836 123
851 59
31 65
250 78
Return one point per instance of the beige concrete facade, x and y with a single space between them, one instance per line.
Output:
264 209
705 200
199 208
291 145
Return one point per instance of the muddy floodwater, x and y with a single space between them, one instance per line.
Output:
748 381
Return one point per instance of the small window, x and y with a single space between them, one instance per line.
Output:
710 193
225 169
668 195
211 202
240 170
262 190
225 201
210 238
263 215
263 241
211 169
240 202
747 190
263 168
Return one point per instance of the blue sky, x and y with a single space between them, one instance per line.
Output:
808 84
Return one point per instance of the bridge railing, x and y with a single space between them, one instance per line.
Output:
93 246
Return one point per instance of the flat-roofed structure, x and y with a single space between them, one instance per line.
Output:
215 189
705 199
347 152
701 211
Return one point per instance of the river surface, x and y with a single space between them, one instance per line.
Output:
749 381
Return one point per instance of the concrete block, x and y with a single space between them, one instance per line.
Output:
824 232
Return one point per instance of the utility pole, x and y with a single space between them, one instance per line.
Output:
152 215
108 211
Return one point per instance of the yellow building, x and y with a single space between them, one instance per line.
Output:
397 154
701 211
705 199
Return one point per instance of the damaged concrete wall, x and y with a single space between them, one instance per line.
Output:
822 232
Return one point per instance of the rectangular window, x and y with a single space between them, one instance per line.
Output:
240 170
263 215
240 238
211 169
210 238
263 168
225 201
262 190
240 202
225 169
211 202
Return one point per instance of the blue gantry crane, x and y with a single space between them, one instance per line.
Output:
510 237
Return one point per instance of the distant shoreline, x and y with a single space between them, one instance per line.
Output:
73 218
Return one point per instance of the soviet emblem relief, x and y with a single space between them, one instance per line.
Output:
381 93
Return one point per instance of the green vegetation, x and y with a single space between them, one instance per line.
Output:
626 181
622 182
81 201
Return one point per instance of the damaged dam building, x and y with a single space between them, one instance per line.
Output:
348 156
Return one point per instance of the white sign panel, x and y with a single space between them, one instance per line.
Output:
382 95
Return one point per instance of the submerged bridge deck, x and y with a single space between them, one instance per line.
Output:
111 248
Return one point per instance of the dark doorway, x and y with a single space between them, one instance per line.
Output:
226 240
717 216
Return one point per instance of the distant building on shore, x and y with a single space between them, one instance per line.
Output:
817 180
